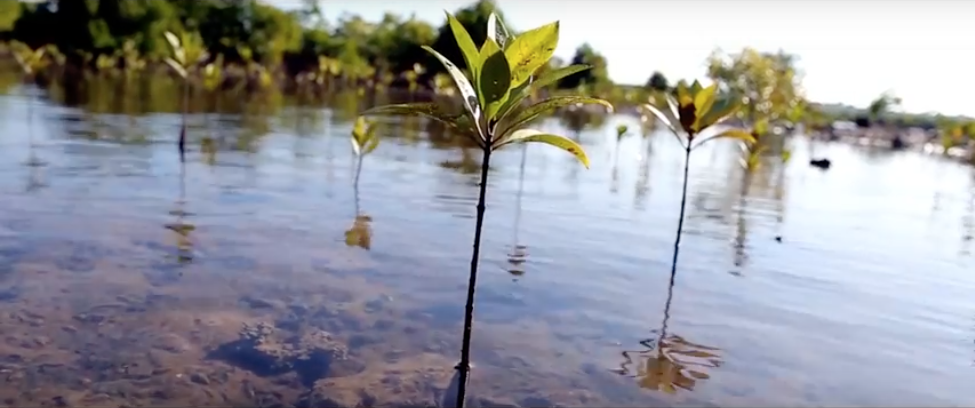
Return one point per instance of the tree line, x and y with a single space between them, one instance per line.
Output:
302 44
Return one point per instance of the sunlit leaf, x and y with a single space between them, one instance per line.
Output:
703 101
786 155
356 149
729 134
497 32
173 40
547 78
465 88
661 116
561 142
372 142
467 47
548 105
495 78
530 50
176 66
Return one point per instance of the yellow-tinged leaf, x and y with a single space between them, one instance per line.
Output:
721 109
467 47
561 142
547 105
495 78
530 50
518 94
703 101
786 155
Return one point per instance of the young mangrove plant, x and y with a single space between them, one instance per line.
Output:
692 112
621 133
364 141
500 76
188 52
30 61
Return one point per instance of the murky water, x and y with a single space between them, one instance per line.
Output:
259 276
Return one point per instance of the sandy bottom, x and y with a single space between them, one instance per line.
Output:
123 318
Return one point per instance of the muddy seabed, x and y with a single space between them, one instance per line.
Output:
106 315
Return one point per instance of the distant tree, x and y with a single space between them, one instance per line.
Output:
658 82
598 75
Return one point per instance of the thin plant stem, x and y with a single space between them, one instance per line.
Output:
683 207
355 184
465 352
182 129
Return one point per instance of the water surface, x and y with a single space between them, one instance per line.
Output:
128 279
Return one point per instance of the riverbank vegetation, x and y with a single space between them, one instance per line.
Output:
258 47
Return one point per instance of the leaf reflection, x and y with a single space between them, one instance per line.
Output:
670 362
519 253
180 227
360 233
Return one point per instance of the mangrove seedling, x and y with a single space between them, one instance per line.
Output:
620 134
364 141
500 76
692 112
188 51
30 61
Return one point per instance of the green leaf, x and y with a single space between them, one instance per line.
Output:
372 141
620 131
495 80
467 47
721 109
428 109
786 155
561 142
465 88
550 77
519 94
497 32
548 105
738 134
176 67
531 50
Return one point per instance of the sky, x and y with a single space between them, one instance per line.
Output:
849 51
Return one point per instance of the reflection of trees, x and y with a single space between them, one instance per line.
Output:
968 218
741 230
643 175
669 362
467 164
519 253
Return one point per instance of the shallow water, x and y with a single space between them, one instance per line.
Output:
124 277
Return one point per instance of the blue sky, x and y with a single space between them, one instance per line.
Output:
850 51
